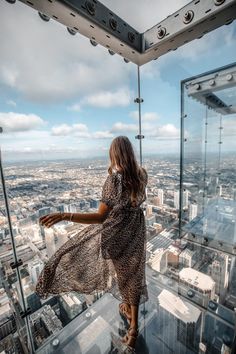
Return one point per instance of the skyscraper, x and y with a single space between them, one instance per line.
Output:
62 237
35 269
160 195
50 242
176 199
184 200
192 211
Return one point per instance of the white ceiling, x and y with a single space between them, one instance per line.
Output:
144 14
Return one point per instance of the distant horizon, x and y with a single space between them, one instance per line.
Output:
103 157
106 157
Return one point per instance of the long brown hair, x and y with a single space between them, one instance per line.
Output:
122 155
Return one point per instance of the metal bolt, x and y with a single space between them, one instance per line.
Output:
197 87
229 77
188 16
44 17
212 82
90 8
71 31
55 342
131 37
138 100
161 32
113 24
94 43
111 52
219 2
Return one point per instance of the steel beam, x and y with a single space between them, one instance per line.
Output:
204 89
191 22
101 25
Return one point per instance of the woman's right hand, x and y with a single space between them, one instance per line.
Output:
50 219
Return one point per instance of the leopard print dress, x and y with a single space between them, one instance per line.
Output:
107 257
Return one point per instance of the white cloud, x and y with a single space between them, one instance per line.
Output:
11 103
149 129
107 99
75 129
124 127
47 64
75 107
168 130
17 122
147 116
79 130
102 135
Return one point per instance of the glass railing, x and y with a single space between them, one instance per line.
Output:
191 234
208 209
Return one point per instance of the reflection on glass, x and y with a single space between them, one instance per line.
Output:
208 219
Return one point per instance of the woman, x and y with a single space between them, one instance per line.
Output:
110 253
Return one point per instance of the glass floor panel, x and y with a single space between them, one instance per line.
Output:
168 324
217 225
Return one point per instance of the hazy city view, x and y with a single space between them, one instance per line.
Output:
41 187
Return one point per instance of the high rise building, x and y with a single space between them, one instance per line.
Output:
62 237
161 196
186 257
159 260
35 268
184 199
202 285
156 201
150 220
50 242
183 320
73 304
148 211
192 211
219 272
44 211
176 199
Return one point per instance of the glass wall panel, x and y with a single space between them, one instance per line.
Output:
208 208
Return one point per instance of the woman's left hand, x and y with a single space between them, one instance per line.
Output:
50 219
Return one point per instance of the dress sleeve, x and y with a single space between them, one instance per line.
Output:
111 190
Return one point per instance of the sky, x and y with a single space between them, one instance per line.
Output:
63 98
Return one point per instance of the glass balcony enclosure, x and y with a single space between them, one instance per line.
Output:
208 204
189 212
208 159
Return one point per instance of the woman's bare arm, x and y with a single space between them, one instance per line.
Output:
89 218
83 218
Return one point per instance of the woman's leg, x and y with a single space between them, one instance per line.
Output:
131 335
122 284
134 316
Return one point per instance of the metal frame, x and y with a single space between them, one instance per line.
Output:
101 25
205 89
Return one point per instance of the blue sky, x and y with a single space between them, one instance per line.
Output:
62 98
